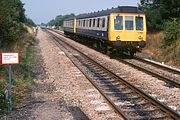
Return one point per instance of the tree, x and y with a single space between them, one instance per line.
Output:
12 17
30 22
159 11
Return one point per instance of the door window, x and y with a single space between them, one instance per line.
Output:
129 23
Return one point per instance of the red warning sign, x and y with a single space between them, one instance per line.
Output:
10 58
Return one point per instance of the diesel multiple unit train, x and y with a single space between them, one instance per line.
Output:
118 29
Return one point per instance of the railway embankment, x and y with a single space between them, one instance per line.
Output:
164 46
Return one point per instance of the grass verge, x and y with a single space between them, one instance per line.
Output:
22 75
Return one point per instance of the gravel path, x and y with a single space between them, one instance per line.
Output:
148 83
61 91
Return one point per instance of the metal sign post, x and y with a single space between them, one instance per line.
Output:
10 87
10 58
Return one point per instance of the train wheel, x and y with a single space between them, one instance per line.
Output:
132 53
103 46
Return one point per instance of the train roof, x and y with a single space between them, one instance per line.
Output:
119 9
70 18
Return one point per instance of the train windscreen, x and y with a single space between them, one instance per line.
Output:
139 23
118 23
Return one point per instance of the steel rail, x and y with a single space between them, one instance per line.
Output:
168 80
156 64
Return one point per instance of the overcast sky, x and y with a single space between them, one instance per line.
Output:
45 10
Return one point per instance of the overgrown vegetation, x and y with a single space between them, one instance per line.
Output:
14 37
159 12
172 31
21 74
163 19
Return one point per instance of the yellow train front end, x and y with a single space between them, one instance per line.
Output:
127 31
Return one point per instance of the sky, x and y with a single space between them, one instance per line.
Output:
42 11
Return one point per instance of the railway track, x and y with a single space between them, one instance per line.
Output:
129 101
156 64
168 74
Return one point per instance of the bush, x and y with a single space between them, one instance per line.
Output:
172 31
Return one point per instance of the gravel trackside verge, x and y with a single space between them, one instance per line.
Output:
61 91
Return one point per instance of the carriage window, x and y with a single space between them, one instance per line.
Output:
98 22
118 23
90 22
129 23
103 22
94 21
87 23
139 23
84 23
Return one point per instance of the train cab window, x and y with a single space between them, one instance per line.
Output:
94 22
139 23
103 22
90 22
98 22
129 23
118 23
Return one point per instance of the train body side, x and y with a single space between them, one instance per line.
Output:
95 27
70 26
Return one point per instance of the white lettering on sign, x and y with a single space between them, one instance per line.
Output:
10 58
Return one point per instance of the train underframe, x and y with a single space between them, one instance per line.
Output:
114 47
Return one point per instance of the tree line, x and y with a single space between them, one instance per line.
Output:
160 11
12 19
58 21
163 15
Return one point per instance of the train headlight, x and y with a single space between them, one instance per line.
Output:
118 37
140 38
